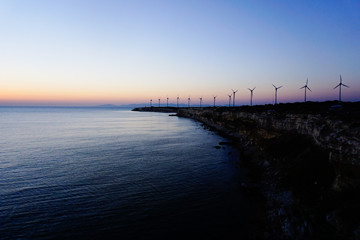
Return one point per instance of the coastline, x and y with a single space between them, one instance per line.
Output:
309 182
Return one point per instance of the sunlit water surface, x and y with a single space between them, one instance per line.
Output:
113 173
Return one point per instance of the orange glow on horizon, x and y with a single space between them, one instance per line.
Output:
90 97
60 97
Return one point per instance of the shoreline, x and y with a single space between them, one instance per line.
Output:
302 159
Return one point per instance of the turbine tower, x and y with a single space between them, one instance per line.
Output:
339 85
251 95
150 102
167 102
188 101
306 87
234 96
159 102
214 100
276 88
229 99
177 102
200 101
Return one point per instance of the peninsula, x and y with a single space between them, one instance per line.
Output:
303 158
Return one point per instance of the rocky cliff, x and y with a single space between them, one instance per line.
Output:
303 158
340 138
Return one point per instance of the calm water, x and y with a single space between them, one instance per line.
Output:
110 173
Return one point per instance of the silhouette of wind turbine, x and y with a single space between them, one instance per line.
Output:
306 87
214 100
229 99
200 101
167 102
159 102
339 85
188 101
177 102
150 102
251 95
234 96
276 88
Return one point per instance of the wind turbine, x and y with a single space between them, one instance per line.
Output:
200 101
229 99
306 87
214 100
234 96
177 102
188 101
251 95
159 102
150 102
276 88
167 102
339 85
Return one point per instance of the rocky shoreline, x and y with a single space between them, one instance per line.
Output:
303 159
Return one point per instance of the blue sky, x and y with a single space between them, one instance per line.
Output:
119 52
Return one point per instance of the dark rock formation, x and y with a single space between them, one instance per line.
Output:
304 159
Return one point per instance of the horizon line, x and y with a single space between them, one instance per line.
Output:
163 106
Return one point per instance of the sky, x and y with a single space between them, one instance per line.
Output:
83 53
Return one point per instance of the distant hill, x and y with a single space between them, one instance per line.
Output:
107 106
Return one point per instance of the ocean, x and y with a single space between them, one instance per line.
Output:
111 173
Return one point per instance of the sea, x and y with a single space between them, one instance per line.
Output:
112 173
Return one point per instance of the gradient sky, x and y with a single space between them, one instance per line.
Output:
120 52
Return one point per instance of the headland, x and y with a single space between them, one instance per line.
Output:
303 158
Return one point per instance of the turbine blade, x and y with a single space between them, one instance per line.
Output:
308 88
337 85
303 87
345 86
340 79
307 80
274 86
280 87
254 88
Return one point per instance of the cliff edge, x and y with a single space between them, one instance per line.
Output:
304 159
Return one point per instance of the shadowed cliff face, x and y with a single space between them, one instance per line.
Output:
339 138
310 162
306 160
334 128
